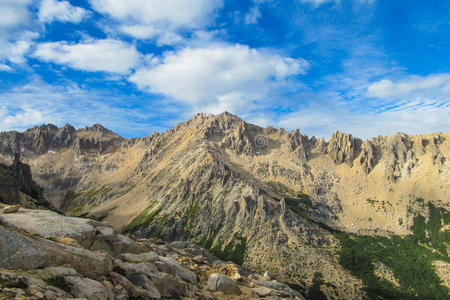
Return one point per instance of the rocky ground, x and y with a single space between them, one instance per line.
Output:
45 255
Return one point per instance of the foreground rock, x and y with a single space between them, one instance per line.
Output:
44 255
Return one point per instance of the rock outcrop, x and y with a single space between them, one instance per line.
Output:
18 187
44 255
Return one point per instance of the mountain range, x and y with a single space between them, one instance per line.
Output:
343 218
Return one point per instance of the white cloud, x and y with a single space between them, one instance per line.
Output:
14 13
317 3
16 35
322 121
414 87
25 116
252 16
5 68
93 55
24 106
159 19
218 78
51 10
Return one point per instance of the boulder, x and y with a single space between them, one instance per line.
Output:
176 269
56 272
133 290
21 251
130 269
87 288
142 281
11 209
170 286
139 258
222 283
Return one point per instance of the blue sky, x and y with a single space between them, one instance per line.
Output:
366 67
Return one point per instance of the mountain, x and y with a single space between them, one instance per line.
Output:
334 217
45 255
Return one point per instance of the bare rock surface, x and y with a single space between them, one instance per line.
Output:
36 262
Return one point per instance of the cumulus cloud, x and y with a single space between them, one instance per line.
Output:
414 87
218 78
16 30
158 19
14 13
51 10
93 55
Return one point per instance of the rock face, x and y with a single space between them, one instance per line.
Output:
343 148
264 197
37 263
17 186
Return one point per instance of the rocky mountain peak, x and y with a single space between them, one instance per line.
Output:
343 147
97 127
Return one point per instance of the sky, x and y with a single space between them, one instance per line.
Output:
365 67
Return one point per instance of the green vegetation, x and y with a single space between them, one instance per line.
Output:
165 221
302 200
376 203
418 229
143 219
60 283
410 258
97 191
235 250
76 211
314 292
207 242
298 202
192 213
281 189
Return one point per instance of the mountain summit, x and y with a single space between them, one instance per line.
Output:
270 199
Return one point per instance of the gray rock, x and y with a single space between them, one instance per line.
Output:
262 291
51 224
130 287
56 272
177 269
88 288
170 286
11 209
281 288
130 269
142 281
20 251
139 258
222 283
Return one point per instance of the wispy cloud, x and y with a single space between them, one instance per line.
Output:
51 10
434 86
252 16
37 102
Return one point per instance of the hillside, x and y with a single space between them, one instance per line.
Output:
273 200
